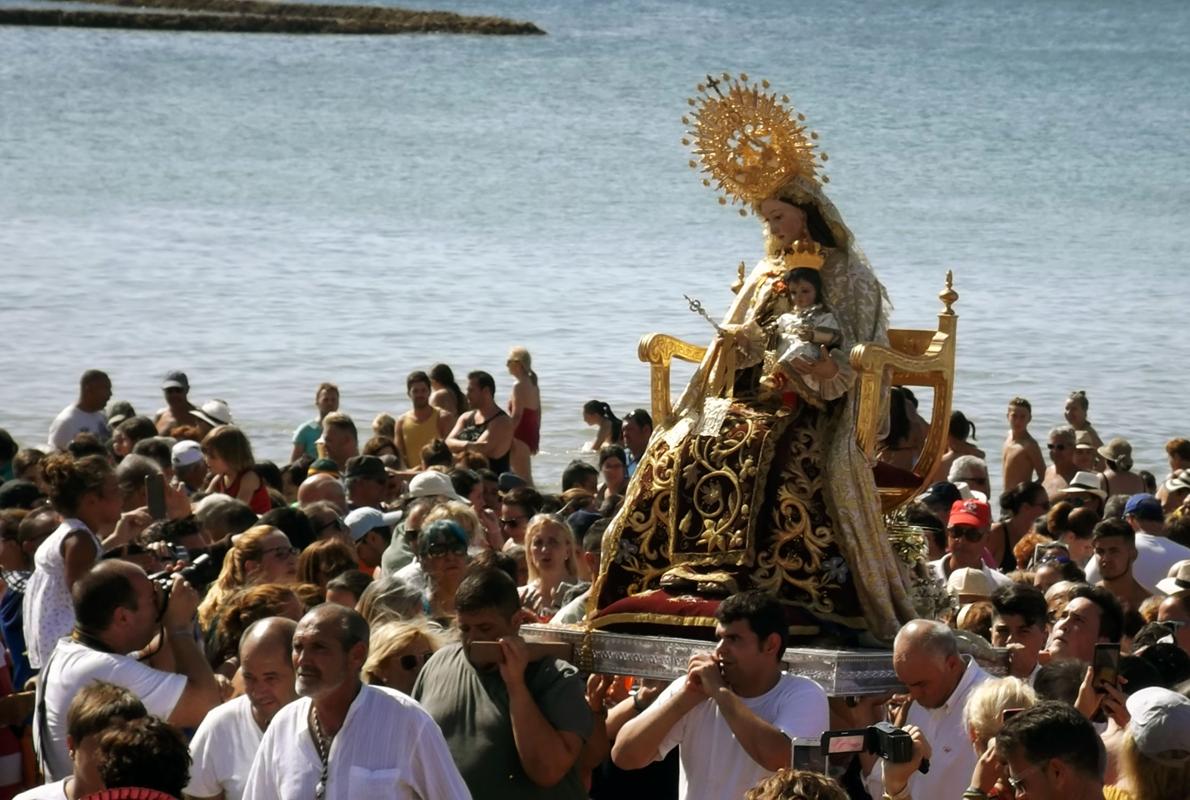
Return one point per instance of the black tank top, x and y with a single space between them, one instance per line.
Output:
472 432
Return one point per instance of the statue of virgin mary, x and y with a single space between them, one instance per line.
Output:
746 487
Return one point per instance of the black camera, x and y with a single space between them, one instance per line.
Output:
882 739
198 573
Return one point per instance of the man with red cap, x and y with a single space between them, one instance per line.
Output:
967 531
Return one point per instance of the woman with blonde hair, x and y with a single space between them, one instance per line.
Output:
397 652
261 554
983 717
552 562
229 459
524 406
463 514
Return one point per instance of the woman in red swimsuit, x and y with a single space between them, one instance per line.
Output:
525 409
229 458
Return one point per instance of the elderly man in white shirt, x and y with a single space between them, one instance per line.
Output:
343 740
226 742
926 659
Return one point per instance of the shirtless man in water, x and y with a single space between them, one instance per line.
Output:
178 409
1021 457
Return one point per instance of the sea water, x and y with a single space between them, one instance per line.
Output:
268 212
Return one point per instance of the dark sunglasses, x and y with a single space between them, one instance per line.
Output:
965 532
440 550
283 551
411 662
508 523
1056 446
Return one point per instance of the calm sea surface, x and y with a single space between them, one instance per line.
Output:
268 212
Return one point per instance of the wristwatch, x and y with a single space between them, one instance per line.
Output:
636 702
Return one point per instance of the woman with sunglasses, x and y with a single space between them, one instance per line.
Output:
397 652
442 554
261 554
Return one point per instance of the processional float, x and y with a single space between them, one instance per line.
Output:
751 145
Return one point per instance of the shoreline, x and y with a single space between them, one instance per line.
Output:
260 16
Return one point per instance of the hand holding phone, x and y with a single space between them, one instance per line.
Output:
155 495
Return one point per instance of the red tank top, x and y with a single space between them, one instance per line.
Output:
259 502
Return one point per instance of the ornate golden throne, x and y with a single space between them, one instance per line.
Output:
914 357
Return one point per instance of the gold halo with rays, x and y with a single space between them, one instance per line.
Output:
749 142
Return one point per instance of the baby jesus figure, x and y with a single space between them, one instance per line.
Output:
802 332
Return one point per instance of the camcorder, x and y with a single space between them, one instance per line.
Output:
882 739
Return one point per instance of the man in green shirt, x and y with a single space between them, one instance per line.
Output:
515 729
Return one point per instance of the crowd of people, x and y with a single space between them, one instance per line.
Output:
201 623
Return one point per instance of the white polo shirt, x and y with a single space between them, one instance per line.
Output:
953 758
713 765
223 749
388 747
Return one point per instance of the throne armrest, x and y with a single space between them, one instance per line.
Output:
913 358
658 350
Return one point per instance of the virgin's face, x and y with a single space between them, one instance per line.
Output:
786 223
803 294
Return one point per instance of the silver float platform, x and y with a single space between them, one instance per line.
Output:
839 672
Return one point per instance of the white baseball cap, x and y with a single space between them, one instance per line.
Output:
432 483
185 453
1160 721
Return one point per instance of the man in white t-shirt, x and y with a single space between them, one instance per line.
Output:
734 713
117 611
227 740
86 415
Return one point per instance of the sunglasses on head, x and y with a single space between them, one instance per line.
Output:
965 532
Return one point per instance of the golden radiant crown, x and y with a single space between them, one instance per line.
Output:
747 141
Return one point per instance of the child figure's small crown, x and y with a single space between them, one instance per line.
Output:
803 254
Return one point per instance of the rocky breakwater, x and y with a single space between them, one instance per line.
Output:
262 16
